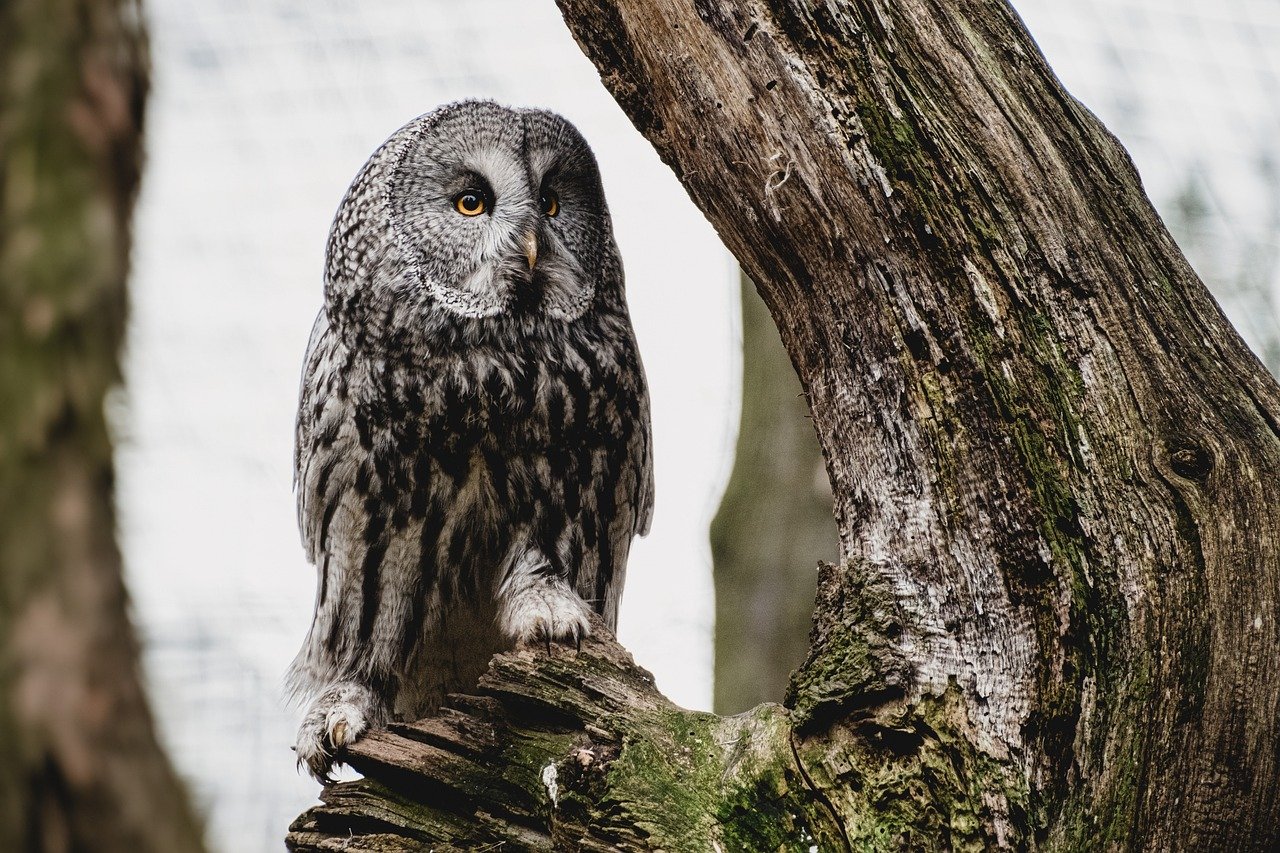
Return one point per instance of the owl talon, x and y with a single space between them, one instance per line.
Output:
336 718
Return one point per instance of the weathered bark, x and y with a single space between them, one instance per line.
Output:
1056 467
80 768
572 749
773 526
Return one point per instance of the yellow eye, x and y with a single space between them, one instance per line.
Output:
549 203
469 203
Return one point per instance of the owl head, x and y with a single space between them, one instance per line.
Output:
472 211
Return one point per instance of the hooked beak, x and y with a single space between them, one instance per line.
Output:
530 245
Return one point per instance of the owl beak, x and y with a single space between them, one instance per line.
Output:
530 246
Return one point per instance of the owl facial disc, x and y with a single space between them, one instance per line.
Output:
498 211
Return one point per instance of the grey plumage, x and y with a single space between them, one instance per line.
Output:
473 447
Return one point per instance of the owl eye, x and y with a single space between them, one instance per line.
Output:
470 203
550 203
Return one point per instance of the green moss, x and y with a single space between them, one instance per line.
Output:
684 779
932 210
852 656
762 817
676 768
908 777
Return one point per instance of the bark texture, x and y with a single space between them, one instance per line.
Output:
773 526
1056 467
570 749
80 768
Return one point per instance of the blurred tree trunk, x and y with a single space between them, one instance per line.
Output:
773 526
1056 469
80 768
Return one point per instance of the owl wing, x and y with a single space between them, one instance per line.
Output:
327 457
641 458
319 349
359 525
618 504
634 497
328 450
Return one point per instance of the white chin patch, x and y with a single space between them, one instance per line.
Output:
484 293
487 292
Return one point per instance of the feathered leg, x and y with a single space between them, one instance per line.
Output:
336 716
537 604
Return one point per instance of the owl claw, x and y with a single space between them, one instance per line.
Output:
336 718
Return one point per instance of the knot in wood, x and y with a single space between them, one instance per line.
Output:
1191 462
584 768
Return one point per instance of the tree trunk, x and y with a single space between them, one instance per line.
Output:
773 526
1056 472
80 768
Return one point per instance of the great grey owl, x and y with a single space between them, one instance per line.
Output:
473 446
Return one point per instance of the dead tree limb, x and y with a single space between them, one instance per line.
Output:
574 750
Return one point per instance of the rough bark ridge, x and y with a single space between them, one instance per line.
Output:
1054 463
80 768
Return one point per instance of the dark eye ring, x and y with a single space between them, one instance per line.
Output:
470 202
549 202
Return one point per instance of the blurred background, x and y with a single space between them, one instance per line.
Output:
258 116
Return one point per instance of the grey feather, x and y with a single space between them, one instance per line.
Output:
473 449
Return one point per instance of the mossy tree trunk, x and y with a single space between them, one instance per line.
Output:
773 526
80 768
1056 472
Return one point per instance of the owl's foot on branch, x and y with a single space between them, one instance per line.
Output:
334 719
537 607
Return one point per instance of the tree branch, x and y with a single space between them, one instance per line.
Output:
571 749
